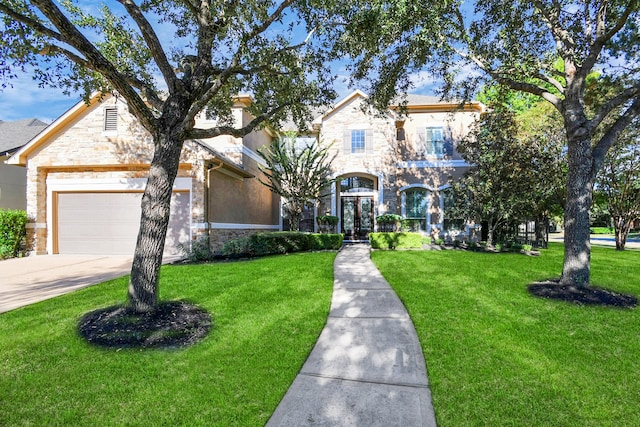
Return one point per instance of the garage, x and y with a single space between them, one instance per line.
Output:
108 222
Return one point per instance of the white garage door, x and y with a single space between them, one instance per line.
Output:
108 223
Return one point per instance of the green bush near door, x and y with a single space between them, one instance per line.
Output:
395 240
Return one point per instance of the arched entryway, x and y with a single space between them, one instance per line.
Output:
357 197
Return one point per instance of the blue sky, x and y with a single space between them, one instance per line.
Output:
25 99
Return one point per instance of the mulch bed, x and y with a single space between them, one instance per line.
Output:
172 324
589 295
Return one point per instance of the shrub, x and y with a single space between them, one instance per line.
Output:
318 242
439 241
388 222
236 248
527 248
13 233
395 240
199 251
280 242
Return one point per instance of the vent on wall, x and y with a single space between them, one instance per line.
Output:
110 119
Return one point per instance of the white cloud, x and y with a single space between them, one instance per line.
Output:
25 100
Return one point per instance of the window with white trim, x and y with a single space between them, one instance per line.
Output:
110 119
415 203
358 141
434 141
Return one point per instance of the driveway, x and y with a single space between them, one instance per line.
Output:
31 279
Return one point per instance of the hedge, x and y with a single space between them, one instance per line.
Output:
13 233
395 240
280 242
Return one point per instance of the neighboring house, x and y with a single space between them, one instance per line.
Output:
86 173
401 162
13 179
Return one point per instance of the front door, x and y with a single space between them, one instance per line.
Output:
357 217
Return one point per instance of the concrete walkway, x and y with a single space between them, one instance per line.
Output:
367 368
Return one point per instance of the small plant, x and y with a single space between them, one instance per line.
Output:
439 242
388 222
327 223
527 248
498 247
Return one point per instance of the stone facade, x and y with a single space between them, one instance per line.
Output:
394 156
77 154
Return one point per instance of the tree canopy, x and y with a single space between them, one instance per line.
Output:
170 61
517 44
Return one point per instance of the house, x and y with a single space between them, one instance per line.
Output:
400 162
87 170
13 179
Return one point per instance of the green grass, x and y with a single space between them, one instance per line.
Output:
497 356
268 314
601 230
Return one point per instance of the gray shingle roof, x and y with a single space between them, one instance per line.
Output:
14 135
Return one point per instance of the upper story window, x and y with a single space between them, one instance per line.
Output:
110 119
434 141
358 141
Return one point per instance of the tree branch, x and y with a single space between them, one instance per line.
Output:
610 105
73 37
603 36
197 133
32 23
152 41
611 135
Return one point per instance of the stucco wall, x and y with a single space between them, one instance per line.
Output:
13 186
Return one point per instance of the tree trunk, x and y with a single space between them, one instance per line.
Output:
156 202
622 228
580 175
490 230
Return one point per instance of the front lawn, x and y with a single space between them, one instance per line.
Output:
267 315
496 356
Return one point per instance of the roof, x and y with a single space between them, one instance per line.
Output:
16 134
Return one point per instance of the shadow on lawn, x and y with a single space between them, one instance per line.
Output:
551 289
173 324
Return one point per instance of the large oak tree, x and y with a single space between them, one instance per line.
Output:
517 43
172 60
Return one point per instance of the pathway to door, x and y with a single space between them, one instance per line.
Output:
367 367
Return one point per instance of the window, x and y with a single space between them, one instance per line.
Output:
447 204
356 184
434 141
415 207
357 141
110 119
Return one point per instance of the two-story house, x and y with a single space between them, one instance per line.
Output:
400 162
87 170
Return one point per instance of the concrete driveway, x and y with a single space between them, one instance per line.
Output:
31 279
